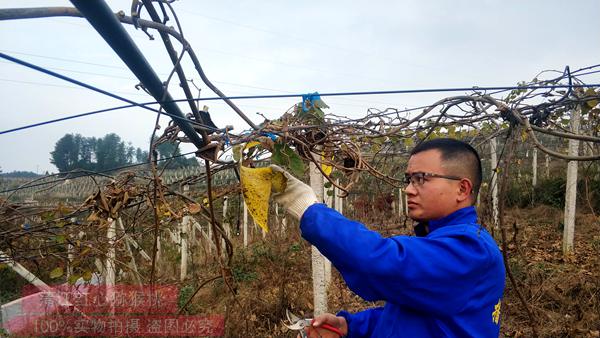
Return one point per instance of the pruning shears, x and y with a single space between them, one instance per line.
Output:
299 324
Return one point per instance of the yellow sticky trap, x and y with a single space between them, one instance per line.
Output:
256 187
278 182
327 169
251 144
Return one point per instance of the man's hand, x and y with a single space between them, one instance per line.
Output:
296 197
327 318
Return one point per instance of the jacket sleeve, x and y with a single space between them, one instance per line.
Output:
424 273
361 324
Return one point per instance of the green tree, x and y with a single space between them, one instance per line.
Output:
141 155
66 153
112 152
97 154
87 153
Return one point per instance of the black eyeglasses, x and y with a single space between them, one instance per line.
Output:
418 178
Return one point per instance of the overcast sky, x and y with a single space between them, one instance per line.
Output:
274 47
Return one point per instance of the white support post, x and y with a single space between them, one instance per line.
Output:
226 225
327 198
547 166
186 191
100 268
208 236
158 248
211 245
494 183
133 242
132 263
69 260
111 253
70 255
35 281
534 167
571 189
110 263
209 230
245 224
23 272
192 236
319 262
185 225
339 201
400 202
174 236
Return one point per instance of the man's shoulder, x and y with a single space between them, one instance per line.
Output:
466 228
470 235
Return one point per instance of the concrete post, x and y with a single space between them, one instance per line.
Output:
571 189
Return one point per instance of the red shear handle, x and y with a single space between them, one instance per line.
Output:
329 328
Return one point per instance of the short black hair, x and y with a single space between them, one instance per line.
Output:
457 151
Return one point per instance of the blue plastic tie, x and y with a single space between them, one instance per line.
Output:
309 98
270 135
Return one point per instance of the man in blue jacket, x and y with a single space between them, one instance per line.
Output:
448 281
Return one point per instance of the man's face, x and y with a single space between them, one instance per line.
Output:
436 197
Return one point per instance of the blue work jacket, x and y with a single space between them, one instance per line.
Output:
448 283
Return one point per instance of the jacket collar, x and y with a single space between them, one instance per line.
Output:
466 215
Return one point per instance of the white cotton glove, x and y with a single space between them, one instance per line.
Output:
296 197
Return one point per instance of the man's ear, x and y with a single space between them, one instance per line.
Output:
465 190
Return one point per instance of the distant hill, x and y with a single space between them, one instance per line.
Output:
20 174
